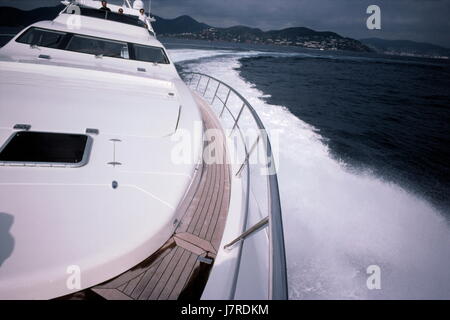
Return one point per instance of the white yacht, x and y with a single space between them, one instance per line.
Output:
121 180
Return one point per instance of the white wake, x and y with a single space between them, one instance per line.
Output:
338 222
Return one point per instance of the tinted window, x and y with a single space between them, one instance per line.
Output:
97 46
149 54
113 16
123 18
42 37
93 45
25 146
94 13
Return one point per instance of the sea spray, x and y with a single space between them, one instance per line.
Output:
338 222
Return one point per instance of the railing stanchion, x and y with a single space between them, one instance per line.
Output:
198 83
225 103
215 93
237 119
207 85
247 157
260 225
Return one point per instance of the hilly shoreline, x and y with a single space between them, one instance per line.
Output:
12 20
188 28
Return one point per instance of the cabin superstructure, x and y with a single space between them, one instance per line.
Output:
105 172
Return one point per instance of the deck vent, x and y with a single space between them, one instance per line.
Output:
20 126
205 260
44 56
141 70
92 131
115 163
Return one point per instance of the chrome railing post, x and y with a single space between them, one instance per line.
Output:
190 81
225 103
237 119
198 83
257 227
215 93
207 85
247 157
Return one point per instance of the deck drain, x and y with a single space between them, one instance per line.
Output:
205 260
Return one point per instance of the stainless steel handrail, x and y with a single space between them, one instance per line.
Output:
278 289
259 226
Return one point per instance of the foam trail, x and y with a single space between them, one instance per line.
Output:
338 222
178 55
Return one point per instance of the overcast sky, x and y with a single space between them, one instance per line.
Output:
419 20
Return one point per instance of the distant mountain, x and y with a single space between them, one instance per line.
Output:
187 27
300 36
406 47
178 25
13 17
292 33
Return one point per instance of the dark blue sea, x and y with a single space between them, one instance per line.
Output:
364 154
389 114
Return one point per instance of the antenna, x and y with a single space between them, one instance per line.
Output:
127 4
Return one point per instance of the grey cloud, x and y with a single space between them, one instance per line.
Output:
420 20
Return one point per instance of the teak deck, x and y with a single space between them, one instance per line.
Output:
180 269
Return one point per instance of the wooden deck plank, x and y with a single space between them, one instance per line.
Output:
122 287
196 201
205 198
215 210
150 273
217 229
175 276
131 285
208 210
162 282
181 283
111 294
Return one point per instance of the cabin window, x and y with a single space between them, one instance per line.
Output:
91 45
149 54
46 148
96 46
42 37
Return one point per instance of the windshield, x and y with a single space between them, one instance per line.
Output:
149 54
93 45
96 46
43 38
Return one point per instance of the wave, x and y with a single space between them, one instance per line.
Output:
338 221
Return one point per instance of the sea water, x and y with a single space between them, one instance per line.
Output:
363 163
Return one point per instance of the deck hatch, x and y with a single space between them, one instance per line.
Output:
46 149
